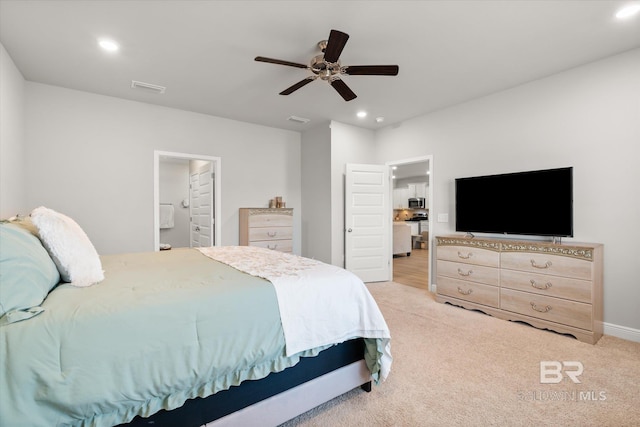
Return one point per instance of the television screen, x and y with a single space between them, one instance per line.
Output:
537 203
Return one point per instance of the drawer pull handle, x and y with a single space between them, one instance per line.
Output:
274 246
462 273
463 292
543 287
272 233
467 256
546 308
546 264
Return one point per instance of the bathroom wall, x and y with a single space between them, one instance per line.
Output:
174 188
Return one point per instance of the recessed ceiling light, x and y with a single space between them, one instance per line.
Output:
362 114
108 45
379 119
628 11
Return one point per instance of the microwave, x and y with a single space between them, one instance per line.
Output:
416 203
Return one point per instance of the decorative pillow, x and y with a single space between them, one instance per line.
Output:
27 274
69 247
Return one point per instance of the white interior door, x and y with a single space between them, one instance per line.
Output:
367 222
201 195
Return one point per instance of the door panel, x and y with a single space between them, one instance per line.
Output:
202 207
367 222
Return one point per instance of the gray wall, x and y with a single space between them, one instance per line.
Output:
326 150
12 158
349 144
588 118
316 193
91 157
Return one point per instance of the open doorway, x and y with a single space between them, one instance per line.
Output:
186 200
411 231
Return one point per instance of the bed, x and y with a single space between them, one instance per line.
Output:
226 336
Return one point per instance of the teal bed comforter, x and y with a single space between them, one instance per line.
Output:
162 327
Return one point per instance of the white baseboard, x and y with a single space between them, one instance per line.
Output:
623 332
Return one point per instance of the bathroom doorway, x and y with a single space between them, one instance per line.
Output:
186 200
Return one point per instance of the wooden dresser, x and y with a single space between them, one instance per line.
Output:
268 228
551 286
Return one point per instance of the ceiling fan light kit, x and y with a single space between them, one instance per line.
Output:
326 66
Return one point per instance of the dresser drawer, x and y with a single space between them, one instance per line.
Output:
267 227
270 233
572 313
543 284
469 255
469 272
557 265
270 220
276 245
469 291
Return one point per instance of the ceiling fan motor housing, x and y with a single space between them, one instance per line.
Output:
323 69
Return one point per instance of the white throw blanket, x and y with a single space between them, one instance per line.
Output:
320 304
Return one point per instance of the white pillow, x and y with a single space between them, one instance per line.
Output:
69 247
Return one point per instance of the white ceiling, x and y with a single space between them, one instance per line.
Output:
203 51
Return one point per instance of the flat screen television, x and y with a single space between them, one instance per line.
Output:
536 203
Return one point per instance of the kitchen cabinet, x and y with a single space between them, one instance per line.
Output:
400 198
415 227
401 195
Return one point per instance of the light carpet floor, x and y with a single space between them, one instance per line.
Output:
455 367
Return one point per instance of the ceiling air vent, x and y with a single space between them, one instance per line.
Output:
148 87
297 119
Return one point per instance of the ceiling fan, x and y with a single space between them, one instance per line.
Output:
327 67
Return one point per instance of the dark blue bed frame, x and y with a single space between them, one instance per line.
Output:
199 411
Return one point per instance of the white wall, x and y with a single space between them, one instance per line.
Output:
91 157
316 193
588 118
349 144
12 189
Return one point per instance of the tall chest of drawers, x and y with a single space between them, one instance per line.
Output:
267 228
551 286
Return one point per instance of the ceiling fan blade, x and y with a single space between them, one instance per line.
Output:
280 62
342 88
335 44
298 85
372 70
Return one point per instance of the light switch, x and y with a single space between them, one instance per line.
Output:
443 217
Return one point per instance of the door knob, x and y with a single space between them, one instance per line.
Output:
197 228
349 230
